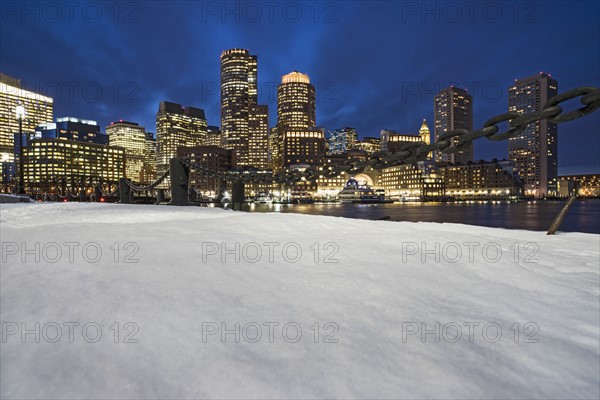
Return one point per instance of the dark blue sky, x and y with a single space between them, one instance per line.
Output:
374 64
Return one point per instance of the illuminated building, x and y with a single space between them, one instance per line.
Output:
587 185
148 173
176 127
214 137
216 159
239 93
369 144
535 150
417 182
341 140
296 102
489 180
453 109
258 141
393 142
38 110
297 138
70 128
303 146
46 160
132 138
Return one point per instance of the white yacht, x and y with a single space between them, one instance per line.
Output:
355 192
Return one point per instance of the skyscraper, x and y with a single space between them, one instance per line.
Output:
132 138
239 72
296 102
535 150
453 109
258 142
297 138
177 127
38 110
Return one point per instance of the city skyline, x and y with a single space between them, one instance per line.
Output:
369 87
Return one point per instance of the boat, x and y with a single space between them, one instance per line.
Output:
355 192
301 197
263 198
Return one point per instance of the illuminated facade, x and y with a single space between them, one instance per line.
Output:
535 150
453 109
239 92
417 182
176 127
341 140
585 185
303 146
258 141
369 144
214 137
70 128
132 138
48 159
148 173
393 142
496 179
38 110
297 139
296 102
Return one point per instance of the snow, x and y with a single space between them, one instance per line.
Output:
377 291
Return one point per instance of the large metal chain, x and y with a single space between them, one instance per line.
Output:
418 151
150 186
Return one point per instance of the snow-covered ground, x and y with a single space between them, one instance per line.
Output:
371 314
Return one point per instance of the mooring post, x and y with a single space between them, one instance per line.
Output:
124 191
160 196
237 195
180 176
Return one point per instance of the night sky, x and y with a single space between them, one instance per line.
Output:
375 65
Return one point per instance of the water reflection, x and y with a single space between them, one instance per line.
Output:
584 216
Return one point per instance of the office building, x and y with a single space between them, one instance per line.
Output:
535 150
453 109
339 141
48 160
38 110
239 96
177 127
70 128
131 137
214 137
303 146
258 140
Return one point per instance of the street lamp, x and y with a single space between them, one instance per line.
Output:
20 111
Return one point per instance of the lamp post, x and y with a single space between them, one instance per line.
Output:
20 111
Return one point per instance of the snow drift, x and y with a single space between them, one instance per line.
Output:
119 301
